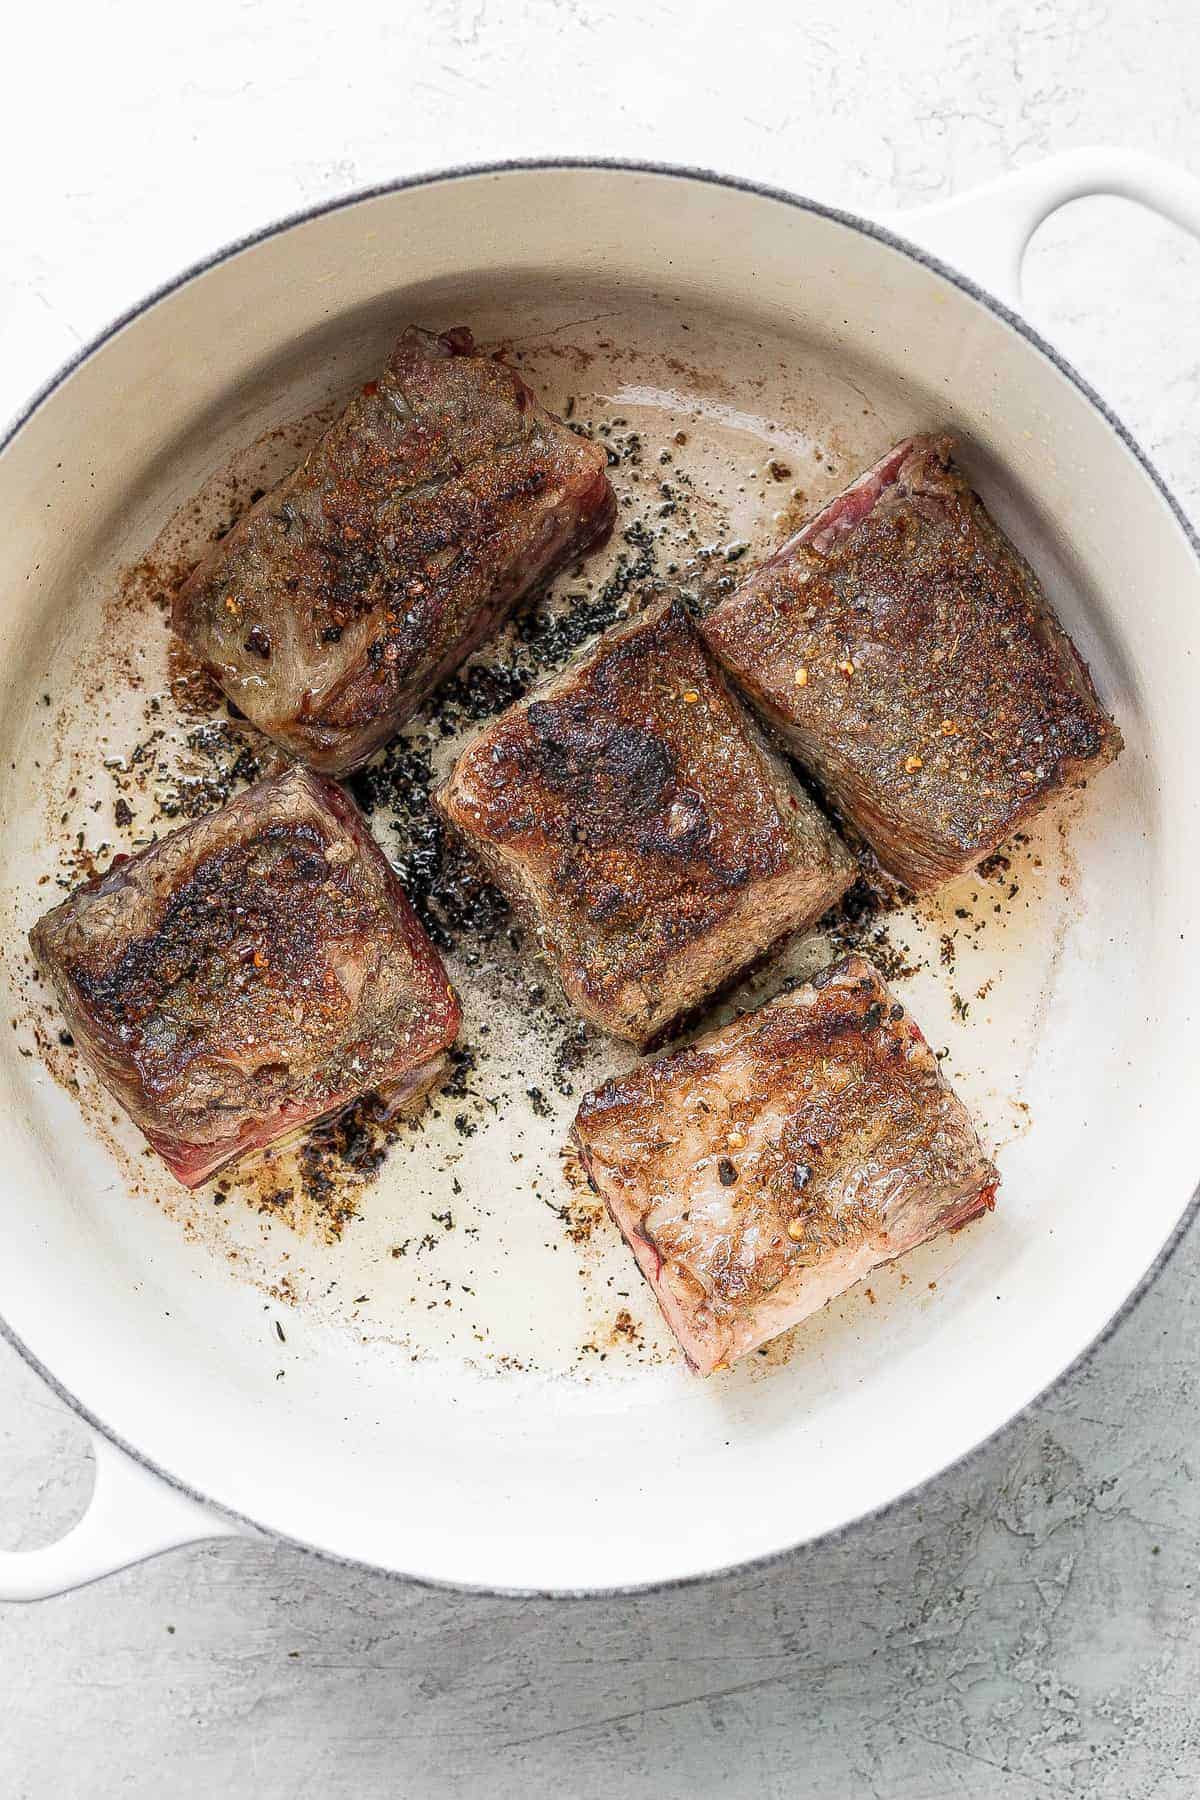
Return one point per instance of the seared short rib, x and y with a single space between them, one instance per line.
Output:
443 493
253 972
905 652
642 827
769 1166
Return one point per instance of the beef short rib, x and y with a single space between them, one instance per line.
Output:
443 493
642 827
249 974
905 653
769 1166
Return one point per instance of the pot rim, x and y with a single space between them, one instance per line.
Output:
895 241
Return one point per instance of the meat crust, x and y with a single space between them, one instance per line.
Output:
443 494
772 1164
255 971
904 651
642 827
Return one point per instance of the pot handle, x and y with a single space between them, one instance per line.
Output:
986 231
132 1515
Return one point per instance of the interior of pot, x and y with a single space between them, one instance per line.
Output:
493 1400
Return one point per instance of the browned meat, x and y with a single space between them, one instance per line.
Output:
251 973
442 494
905 652
768 1167
642 828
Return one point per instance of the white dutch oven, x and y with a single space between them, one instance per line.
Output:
555 1485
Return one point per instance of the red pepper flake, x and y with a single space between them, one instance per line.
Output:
370 387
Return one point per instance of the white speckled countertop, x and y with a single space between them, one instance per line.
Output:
1029 1626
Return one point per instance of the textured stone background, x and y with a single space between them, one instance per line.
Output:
1029 1626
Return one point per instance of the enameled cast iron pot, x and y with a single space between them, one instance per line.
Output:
510 1483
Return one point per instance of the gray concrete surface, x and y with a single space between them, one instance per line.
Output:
1028 1626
